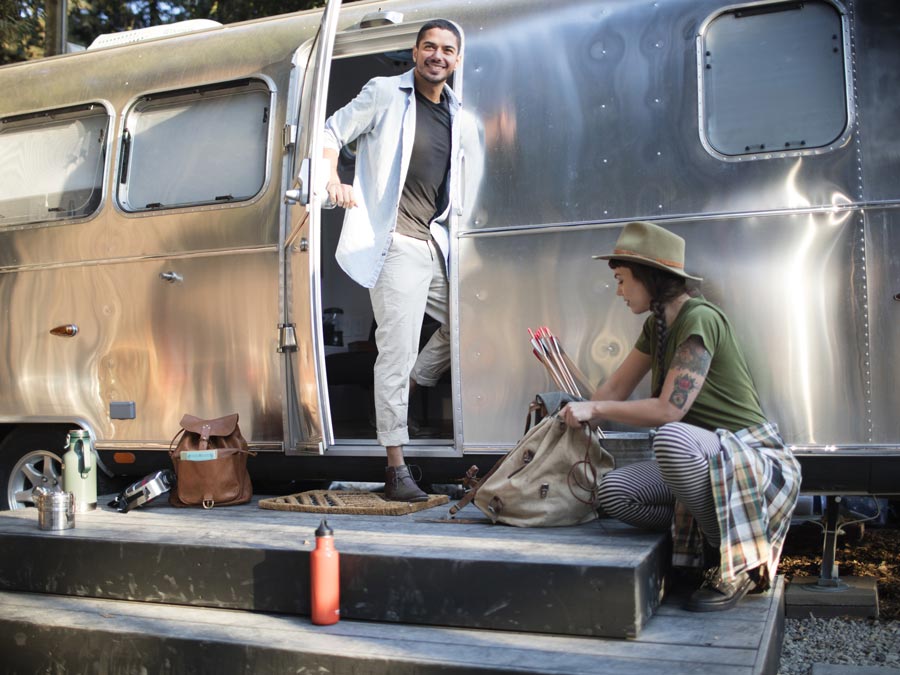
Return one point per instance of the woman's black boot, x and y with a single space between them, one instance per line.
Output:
715 594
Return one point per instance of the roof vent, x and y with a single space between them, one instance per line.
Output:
153 32
381 19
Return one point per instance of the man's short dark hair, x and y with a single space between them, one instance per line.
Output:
442 24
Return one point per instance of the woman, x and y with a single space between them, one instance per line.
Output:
722 478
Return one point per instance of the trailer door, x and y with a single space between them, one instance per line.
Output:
307 422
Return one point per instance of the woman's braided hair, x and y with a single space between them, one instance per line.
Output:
662 287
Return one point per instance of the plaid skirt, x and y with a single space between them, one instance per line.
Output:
755 484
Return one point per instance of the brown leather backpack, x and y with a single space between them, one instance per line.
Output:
210 463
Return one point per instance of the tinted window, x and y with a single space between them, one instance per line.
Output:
773 78
51 164
197 147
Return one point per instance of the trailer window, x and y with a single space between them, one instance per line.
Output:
202 146
773 79
51 164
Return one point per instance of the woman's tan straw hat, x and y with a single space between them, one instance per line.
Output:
649 244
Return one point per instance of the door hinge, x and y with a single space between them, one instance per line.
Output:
287 338
289 135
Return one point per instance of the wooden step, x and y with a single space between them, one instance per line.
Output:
599 579
49 633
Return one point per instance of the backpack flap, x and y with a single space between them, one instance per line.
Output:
221 426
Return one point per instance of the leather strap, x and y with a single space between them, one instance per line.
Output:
470 495
204 435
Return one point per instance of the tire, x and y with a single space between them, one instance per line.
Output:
30 457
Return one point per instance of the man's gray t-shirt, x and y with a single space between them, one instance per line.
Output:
424 192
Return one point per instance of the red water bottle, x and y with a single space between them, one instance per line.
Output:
325 578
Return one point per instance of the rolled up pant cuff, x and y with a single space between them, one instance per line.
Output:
424 380
394 437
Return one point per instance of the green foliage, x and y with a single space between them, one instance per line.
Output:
90 18
21 31
231 11
22 22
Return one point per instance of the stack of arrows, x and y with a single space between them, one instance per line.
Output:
562 370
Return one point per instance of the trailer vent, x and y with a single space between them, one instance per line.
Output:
153 33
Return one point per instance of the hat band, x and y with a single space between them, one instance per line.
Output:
661 261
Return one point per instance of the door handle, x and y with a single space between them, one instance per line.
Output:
66 330
301 194
171 277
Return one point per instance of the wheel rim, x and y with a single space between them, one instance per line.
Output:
39 467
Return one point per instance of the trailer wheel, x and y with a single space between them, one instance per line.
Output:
25 463
40 467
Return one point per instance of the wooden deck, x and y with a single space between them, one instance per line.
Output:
226 591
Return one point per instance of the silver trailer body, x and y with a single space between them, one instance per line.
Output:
763 133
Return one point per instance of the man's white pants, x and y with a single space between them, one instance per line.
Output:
412 282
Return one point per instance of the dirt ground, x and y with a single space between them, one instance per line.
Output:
863 552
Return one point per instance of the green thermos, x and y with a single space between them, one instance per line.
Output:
80 470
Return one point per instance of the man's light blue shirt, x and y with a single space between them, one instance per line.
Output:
383 119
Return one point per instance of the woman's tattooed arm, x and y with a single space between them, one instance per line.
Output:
687 372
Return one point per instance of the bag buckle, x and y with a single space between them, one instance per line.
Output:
205 431
495 505
208 503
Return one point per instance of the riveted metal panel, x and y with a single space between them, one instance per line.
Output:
783 280
883 295
611 130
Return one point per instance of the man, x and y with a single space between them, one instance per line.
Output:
394 239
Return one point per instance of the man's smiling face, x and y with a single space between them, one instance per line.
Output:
436 55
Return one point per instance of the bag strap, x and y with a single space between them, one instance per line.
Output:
249 452
536 412
471 476
589 483
172 443
470 495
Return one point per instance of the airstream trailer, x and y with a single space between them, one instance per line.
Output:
163 247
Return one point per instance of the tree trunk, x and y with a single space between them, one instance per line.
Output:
55 35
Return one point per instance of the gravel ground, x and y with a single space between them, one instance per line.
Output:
845 641
857 642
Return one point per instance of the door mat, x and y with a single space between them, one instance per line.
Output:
348 501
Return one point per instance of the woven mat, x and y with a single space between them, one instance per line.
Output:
348 501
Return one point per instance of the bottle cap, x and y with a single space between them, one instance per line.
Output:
324 530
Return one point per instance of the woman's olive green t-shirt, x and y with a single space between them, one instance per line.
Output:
728 398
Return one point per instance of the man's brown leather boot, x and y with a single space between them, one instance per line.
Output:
399 485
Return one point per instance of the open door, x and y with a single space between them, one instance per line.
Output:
307 422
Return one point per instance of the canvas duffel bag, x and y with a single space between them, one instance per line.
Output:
549 479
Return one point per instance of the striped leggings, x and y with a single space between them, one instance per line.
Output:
644 494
